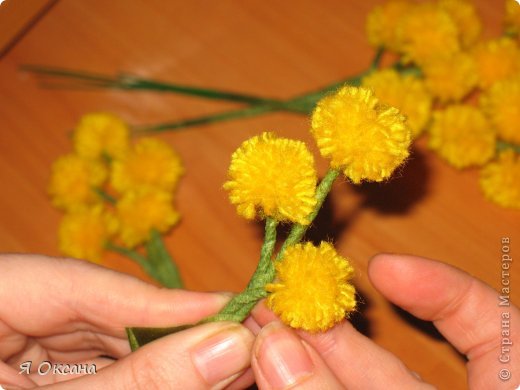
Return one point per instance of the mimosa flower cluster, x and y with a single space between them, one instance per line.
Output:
455 67
113 191
275 179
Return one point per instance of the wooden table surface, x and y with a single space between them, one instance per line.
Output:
275 49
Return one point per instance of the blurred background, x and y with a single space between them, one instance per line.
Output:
267 48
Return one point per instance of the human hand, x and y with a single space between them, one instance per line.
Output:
68 311
464 310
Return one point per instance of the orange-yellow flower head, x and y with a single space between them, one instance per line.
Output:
496 60
512 19
74 180
101 134
451 78
462 136
407 93
382 23
312 289
84 232
502 105
139 212
500 180
362 137
273 177
465 16
151 163
427 32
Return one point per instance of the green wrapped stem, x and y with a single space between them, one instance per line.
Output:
239 307
298 230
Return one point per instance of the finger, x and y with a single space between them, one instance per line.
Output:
244 381
282 360
10 376
82 341
207 356
465 310
351 357
61 294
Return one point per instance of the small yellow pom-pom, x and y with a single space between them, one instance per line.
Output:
73 181
84 232
462 136
502 105
451 78
312 290
407 93
273 177
151 163
364 138
500 180
465 16
496 60
427 32
101 134
140 211
382 23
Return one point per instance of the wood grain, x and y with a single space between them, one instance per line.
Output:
274 49
17 17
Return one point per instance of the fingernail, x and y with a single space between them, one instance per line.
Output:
223 355
281 356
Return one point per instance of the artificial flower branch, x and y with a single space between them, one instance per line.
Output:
302 104
239 307
79 79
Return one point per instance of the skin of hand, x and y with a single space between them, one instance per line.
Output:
464 310
69 311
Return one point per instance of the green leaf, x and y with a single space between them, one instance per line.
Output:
138 337
165 270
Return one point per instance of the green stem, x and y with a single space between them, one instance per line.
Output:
239 307
503 145
130 82
223 116
165 269
298 231
132 255
105 196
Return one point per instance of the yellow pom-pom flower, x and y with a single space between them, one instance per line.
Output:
462 136
496 60
427 32
407 93
512 19
502 105
151 162
312 289
84 232
500 180
101 134
273 177
73 180
464 14
365 139
382 23
140 211
451 78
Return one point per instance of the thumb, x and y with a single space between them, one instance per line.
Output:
207 356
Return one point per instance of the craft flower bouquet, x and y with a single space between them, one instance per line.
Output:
462 92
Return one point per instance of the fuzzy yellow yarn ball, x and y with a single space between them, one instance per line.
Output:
274 177
364 138
312 289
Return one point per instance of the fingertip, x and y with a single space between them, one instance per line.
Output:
280 358
262 315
